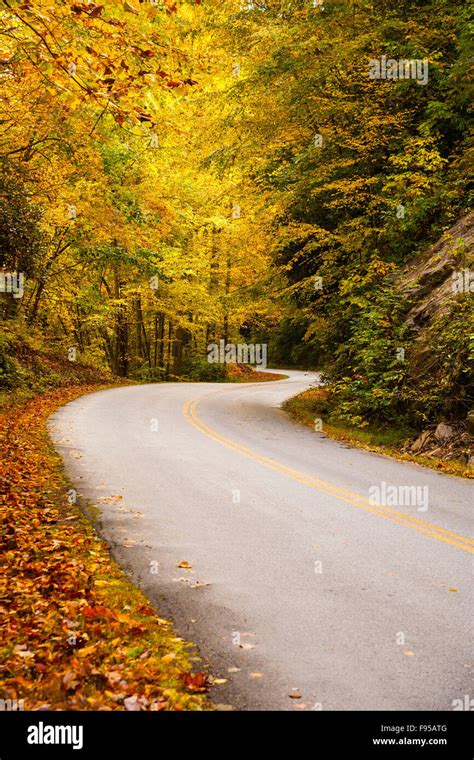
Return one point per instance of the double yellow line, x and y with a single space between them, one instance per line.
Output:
349 497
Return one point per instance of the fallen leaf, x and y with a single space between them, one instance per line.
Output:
132 704
86 651
114 676
127 619
70 681
196 681
22 651
130 8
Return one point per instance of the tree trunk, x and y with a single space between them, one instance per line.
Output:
121 331
227 291
168 357
161 355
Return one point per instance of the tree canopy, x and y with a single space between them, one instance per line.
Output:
173 173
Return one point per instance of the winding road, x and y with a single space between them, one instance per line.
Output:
302 591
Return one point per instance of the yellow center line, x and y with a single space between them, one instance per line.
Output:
349 497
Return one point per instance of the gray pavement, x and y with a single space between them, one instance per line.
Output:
300 583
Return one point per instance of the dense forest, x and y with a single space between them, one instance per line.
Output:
189 188
173 174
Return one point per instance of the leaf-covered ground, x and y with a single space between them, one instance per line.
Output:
244 373
76 633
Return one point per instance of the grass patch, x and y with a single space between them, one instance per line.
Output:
313 404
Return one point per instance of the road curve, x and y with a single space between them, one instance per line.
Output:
301 584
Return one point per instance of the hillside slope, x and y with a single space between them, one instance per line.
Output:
405 381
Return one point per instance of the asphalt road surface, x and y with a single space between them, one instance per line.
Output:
301 583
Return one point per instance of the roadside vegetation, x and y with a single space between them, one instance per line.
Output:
451 455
